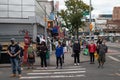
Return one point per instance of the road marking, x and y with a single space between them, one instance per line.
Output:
113 58
70 72
54 76
118 55
59 70
118 74
67 72
63 67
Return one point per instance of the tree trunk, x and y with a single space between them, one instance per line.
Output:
77 32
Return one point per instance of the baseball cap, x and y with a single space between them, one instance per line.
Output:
12 39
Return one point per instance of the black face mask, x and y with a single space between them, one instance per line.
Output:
12 42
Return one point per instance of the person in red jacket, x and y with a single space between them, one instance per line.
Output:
92 49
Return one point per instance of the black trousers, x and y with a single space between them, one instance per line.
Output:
43 60
76 58
59 60
92 58
63 58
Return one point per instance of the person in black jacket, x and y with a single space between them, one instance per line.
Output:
43 51
76 50
0 48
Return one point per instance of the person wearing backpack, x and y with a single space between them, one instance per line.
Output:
102 50
31 56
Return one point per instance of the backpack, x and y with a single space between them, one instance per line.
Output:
102 49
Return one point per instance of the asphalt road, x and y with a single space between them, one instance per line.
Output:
84 71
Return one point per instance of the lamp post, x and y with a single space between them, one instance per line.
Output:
90 11
90 21
45 24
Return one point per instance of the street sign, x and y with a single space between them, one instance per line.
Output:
85 13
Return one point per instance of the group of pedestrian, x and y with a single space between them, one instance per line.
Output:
100 48
16 54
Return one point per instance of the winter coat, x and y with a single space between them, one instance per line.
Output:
92 48
59 51
76 48
102 49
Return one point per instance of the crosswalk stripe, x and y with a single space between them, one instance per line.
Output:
113 58
70 72
59 70
60 76
63 67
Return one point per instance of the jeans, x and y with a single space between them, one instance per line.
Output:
15 64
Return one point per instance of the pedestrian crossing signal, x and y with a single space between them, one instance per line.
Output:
91 27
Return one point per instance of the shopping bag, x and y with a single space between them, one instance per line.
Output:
85 52
96 55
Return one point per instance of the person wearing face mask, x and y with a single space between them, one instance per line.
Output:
76 50
103 49
43 51
14 51
92 49
31 57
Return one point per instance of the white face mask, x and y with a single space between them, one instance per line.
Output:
30 45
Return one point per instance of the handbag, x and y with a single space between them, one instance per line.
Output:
96 55
72 55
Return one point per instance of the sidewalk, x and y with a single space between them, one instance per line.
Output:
68 60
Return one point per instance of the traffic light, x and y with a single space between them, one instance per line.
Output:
49 24
91 26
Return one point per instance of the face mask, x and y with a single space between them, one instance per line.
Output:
12 42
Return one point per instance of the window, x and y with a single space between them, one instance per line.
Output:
3 1
3 14
14 8
3 7
28 8
27 14
15 2
30 2
15 14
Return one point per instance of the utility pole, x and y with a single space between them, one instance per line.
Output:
90 21
90 12
45 29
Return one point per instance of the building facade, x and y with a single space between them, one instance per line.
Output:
19 16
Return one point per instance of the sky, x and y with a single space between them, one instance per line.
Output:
100 6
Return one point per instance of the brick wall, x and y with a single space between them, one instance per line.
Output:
116 13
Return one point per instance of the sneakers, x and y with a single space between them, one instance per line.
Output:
19 75
45 67
13 75
75 64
